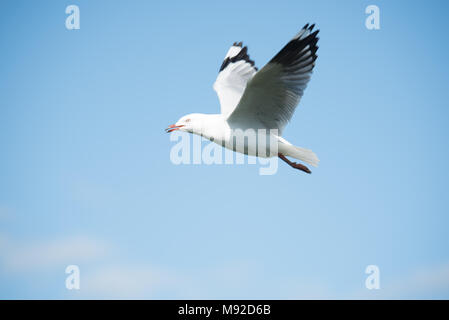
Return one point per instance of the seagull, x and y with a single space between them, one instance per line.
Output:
259 99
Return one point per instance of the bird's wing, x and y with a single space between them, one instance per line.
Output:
271 96
236 70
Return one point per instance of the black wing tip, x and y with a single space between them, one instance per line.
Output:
309 26
292 50
310 39
242 55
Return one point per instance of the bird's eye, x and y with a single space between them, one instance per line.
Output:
187 120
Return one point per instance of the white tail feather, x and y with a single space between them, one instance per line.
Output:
302 154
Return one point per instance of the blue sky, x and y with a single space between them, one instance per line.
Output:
86 177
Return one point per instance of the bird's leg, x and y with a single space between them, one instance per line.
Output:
294 164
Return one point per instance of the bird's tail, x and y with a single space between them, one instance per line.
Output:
302 154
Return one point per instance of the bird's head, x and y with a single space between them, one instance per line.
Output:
190 123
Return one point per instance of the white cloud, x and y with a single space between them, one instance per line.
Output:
127 282
147 281
428 282
52 254
424 282
104 275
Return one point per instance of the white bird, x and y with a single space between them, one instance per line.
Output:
265 99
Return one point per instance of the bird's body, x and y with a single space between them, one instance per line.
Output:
256 105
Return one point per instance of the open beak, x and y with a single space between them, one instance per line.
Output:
172 128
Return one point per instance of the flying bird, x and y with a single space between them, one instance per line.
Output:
259 99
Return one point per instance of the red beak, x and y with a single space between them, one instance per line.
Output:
172 128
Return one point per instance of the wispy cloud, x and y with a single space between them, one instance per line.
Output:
127 281
105 274
38 256
428 282
424 283
149 281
